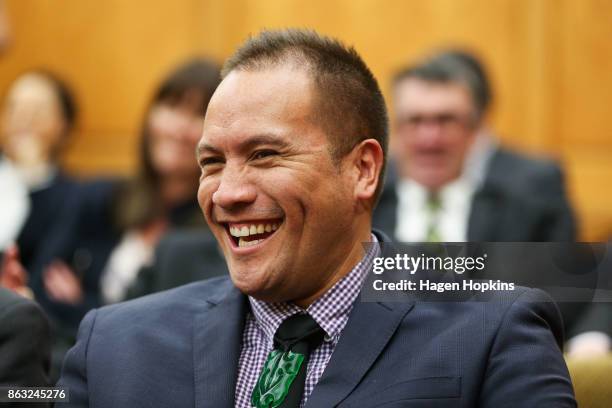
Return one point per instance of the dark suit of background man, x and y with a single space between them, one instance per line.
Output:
292 155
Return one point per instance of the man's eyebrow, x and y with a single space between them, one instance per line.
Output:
247 145
205 147
264 139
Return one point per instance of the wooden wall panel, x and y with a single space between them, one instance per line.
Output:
506 33
113 53
584 110
550 63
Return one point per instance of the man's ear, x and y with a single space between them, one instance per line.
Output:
368 160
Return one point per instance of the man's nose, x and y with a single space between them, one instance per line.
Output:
234 190
430 134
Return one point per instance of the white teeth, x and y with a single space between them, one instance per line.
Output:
243 243
252 229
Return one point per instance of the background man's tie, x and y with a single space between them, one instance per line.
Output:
434 205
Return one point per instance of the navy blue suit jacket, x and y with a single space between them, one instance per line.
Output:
180 348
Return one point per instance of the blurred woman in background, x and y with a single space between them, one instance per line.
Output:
164 193
38 115
115 225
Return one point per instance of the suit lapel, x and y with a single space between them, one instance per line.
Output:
369 329
488 209
217 341
486 214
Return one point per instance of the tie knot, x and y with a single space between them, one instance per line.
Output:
298 332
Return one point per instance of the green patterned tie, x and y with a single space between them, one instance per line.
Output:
434 205
281 381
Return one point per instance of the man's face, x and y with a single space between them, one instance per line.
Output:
279 206
434 128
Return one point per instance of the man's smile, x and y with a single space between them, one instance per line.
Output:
250 233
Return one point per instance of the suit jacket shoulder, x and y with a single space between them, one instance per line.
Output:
169 303
519 174
521 199
140 343
24 342
494 348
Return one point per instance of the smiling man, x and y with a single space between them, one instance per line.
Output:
277 194
292 157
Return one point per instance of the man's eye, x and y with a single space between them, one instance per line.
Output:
207 161
262 154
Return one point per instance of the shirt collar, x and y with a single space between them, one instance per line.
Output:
479 155
330 311
413 195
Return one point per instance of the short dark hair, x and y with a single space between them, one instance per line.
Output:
453 66
348 101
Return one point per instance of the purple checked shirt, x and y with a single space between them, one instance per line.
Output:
330 311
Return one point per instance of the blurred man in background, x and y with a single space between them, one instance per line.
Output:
452 181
